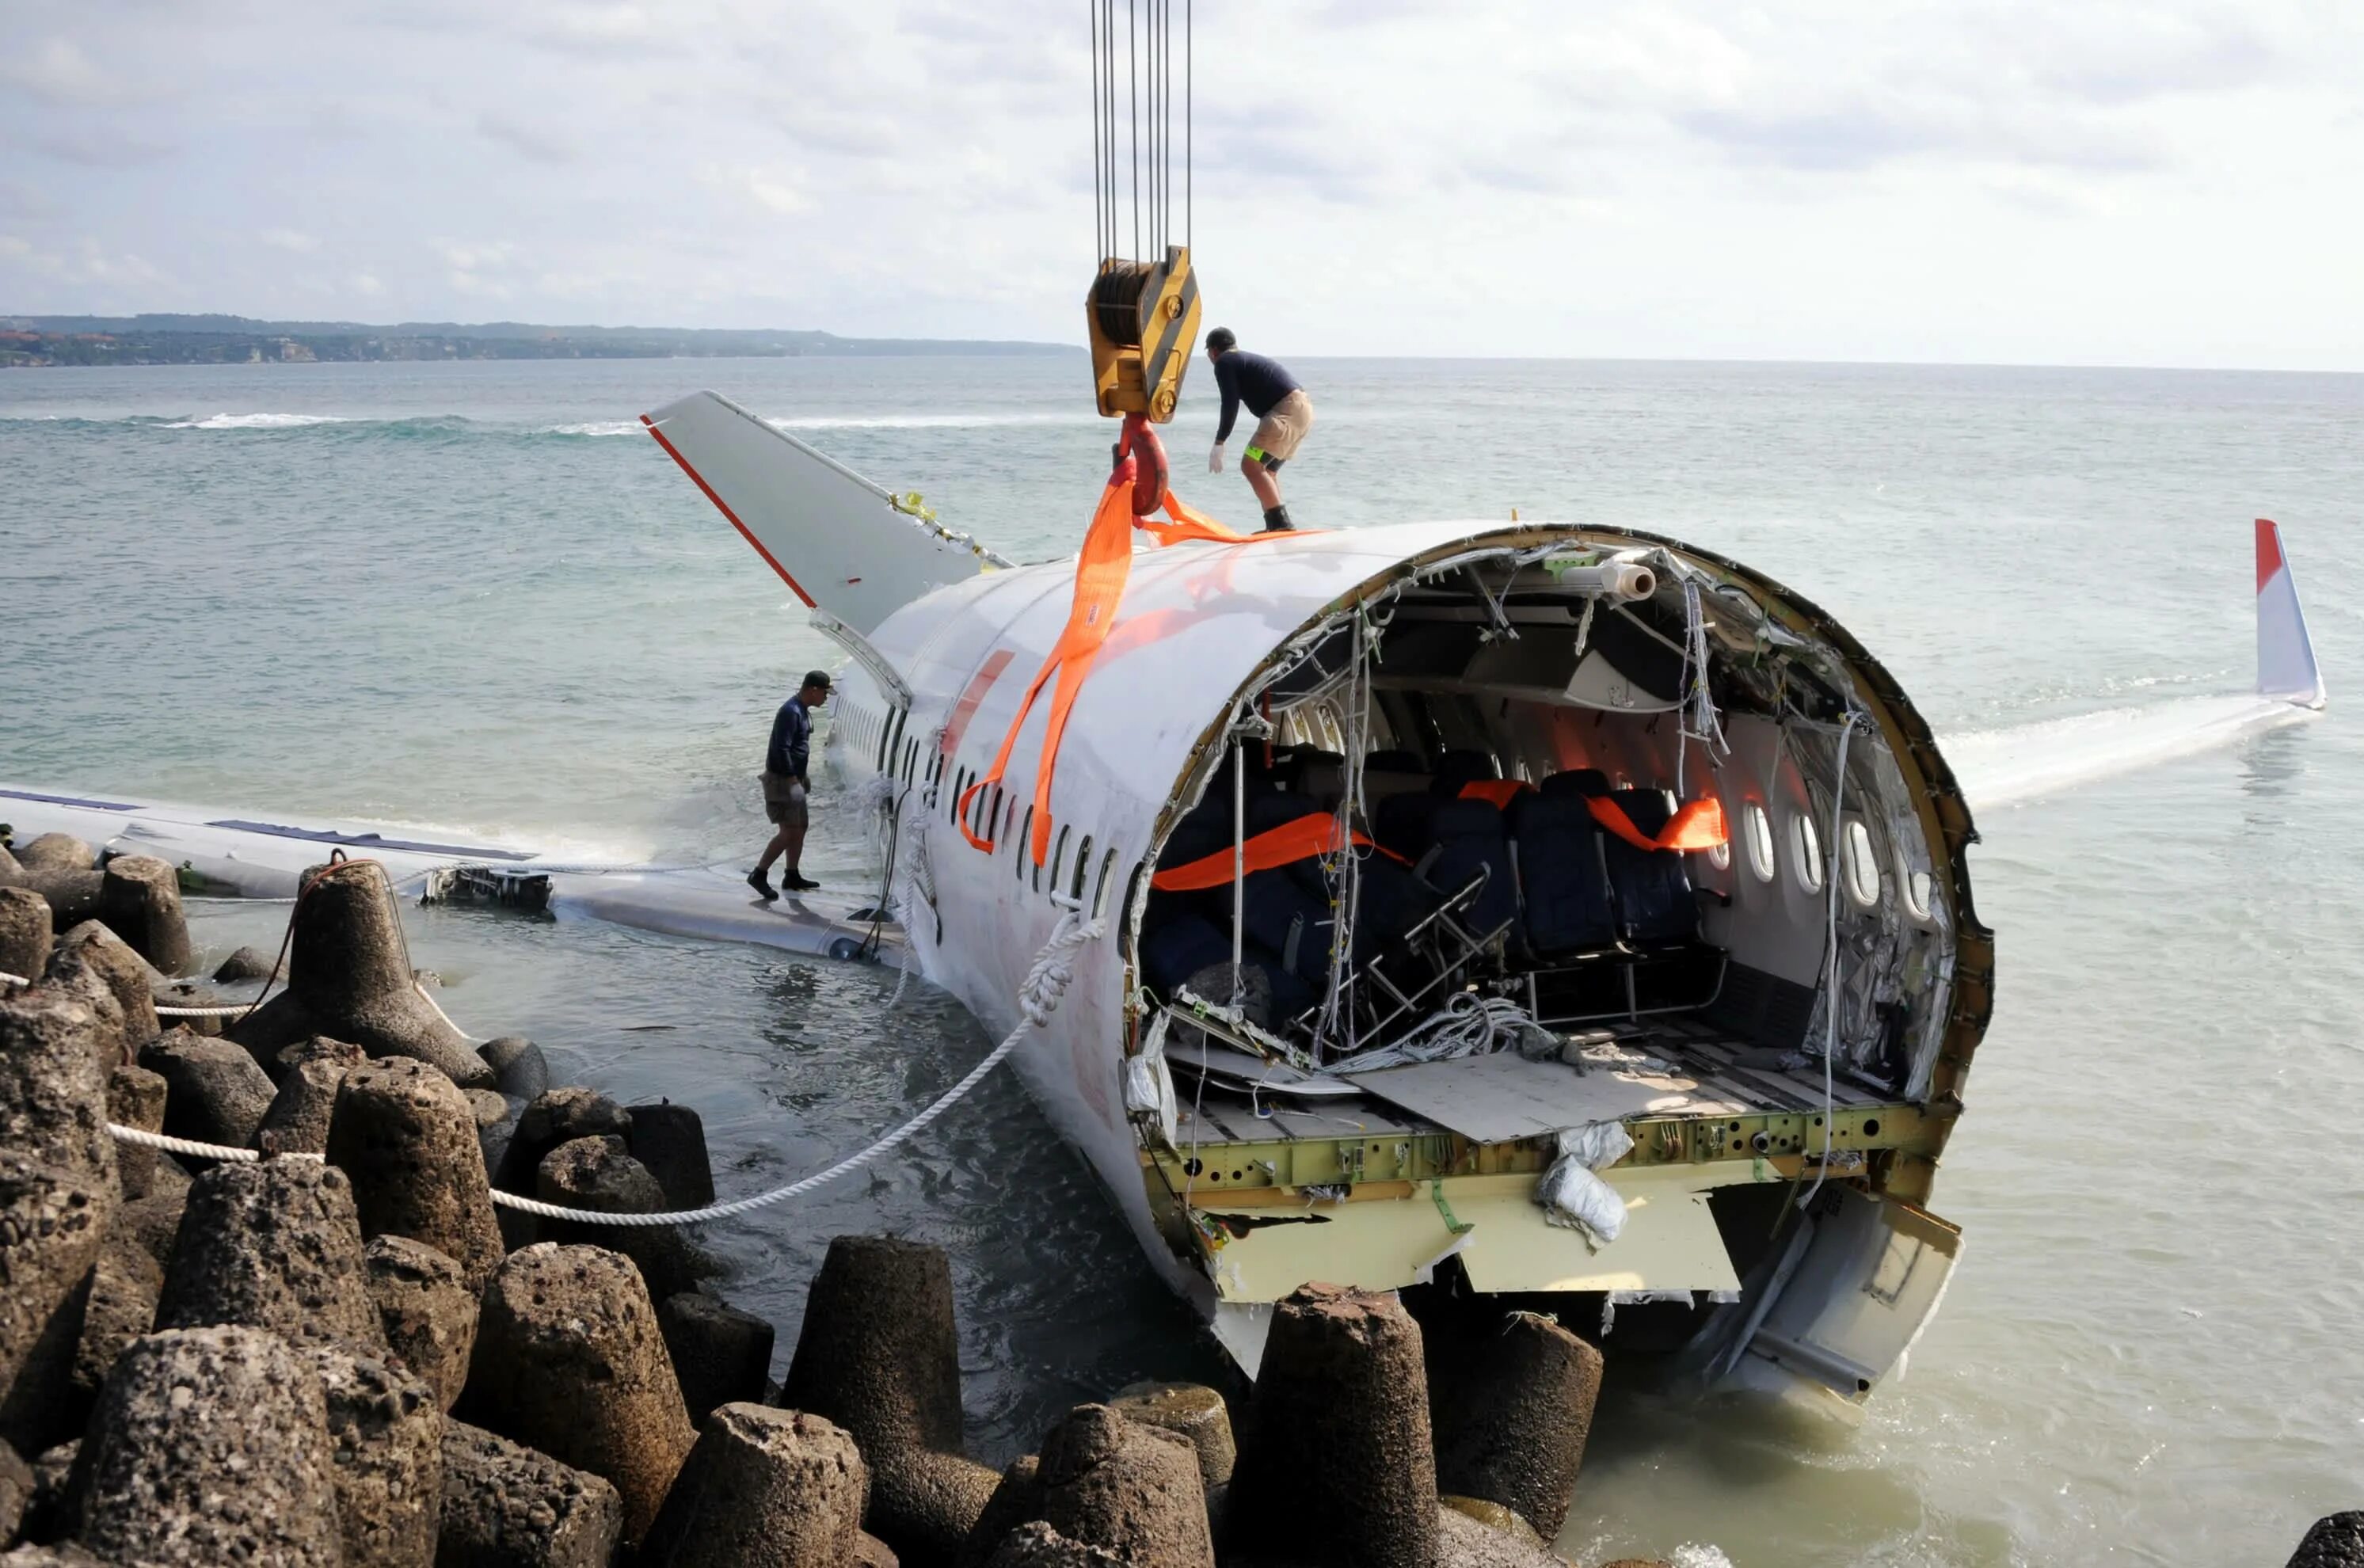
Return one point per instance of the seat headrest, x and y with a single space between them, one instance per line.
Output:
1457 767
1577 780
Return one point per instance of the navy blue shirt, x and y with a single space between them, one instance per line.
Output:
791 740
1252 379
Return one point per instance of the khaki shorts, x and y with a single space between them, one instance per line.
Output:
1277 433
784 800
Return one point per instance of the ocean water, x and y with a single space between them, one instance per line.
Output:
474 597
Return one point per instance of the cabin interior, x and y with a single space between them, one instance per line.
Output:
1542 921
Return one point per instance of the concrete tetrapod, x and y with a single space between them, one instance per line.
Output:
275 1244
52 1085
670 1139
1197 1413
385 1437
1510 1403
722 1355
406 1136
2336 1541
349 977
1337 1466
506 1506
210 1446
52 1227
778 1487
1037 1545
426 1310
139 899
214 1091
135 1098
99 969
311 1073
596 1175
569 1360
55 852
25 932
1133 1489
879 1354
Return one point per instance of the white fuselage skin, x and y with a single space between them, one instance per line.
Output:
1197 621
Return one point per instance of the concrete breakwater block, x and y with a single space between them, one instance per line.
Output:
135 1098
722 1355
1510 1403
519 1066
1037 1545
385 1450
670 1139
569 1360
210 1446
349 977
1195 1412
53 1087
407 1136
276 1244
154 1220
15 1491
26 932
72 895
552 1117
595 1175
1337 1465
246 963
1133 1489
1465 1542
92 964
879 1354
506 1506
125 1286
213 1091
55 852
1016 1499
779 1487
53 1225
2336 1541
139 900
311 1073
426 1309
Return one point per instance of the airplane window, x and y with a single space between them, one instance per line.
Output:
1759 829
1025 842
960 783
1720 855
1083 868
1918 887
1806 852
1861 862
1058 857
1099 893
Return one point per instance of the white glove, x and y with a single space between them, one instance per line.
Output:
1215 458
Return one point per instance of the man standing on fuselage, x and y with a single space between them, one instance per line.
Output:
785 786
1283 415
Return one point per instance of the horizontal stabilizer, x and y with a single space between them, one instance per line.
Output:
2286 666
840 543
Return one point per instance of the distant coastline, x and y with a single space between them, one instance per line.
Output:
32 342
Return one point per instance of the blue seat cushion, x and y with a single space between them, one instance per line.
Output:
1469 834
1653 888
1565 883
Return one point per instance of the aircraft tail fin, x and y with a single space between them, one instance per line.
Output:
843 544
2286 666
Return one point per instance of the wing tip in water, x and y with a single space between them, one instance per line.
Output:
2286 663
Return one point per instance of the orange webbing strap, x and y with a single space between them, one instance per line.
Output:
1285 845
1497 792
1101 569
1698 826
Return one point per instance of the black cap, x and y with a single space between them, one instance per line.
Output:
817 678
1222 340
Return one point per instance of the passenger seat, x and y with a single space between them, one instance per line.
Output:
1563 877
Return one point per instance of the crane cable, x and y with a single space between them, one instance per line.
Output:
1139 174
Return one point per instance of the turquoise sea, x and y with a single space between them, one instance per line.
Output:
475 597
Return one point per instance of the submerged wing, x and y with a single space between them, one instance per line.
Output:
843 544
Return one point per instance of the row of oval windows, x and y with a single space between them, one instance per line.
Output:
1859 871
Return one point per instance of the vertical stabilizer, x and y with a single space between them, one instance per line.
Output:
2286 665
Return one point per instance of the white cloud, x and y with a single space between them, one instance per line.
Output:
1991 179
290 239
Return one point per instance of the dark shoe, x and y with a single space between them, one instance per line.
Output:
1275 520
761 884
797 882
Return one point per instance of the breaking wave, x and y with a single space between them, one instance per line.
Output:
594 427
256 422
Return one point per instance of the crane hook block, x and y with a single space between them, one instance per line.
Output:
1143 318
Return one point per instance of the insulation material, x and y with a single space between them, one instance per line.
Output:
1572 1195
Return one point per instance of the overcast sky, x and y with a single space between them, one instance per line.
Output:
2176 182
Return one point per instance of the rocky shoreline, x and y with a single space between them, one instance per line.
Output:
341 1352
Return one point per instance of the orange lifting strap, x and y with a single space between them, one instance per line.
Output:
1496 793
1101 569
1698 826
1285 845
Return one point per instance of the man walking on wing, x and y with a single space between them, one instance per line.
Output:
1283 415
785 786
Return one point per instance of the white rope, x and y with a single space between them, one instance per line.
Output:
232 1011
1698 720
1831 997
1467 1025
1038 997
